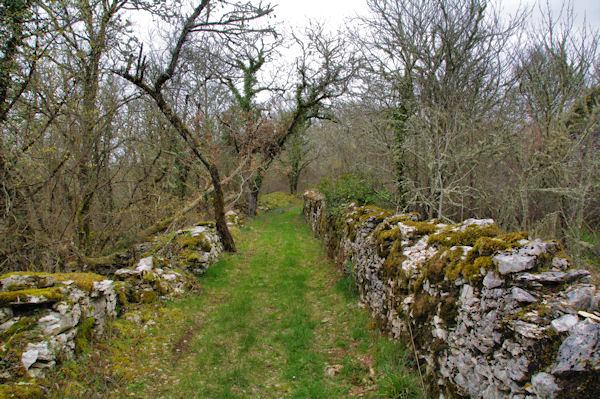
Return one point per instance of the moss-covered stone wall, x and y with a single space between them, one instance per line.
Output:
492 315
47 318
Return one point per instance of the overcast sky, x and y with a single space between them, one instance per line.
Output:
333 12
336 13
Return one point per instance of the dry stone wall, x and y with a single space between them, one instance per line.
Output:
492 315
49 318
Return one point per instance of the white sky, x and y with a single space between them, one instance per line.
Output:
296 13
335 13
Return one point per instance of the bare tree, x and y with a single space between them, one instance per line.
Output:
230 23
298 154
443 62
248 129
556 76
323 72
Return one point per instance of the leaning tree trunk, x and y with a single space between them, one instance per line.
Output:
219 208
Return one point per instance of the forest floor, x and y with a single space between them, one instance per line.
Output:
274 320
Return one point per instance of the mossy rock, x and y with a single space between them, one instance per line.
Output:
199 241
451 237
449 310
207 223
478 260
163 287
149 276
471 253
148 296
84 281
434 267
385 239
160 262
358 216
20 326
423 307
122 289
37 295
193 258
84 336
422 228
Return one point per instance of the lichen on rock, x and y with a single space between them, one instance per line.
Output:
493 311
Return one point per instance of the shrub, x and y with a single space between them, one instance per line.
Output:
350 187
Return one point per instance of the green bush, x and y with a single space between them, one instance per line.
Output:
278 199
350 187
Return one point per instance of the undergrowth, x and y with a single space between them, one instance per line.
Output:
351 187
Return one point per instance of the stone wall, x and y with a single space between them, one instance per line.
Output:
492 315
49 318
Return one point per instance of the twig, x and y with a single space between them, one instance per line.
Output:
412 341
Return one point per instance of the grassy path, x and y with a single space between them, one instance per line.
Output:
275 320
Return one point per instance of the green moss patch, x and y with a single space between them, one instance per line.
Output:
84 336
149 296
485 241
122 289
25 273
22 325
451 237
358 216
275 200
200 242
84 281
422 228
51 294
21 391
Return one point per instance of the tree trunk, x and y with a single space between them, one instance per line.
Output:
293 182
219 208
252 200
254 186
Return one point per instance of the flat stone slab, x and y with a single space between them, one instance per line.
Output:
553 277
564 323
17 282
514 263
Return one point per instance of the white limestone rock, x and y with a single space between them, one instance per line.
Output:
560 263
492 280
513 263
8 324
475 222
581 297
123 274
66 317
552 277
564 323
29 357
522 296
537 247
580 351
16 282
145 264
544 385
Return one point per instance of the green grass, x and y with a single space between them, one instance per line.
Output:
268 322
